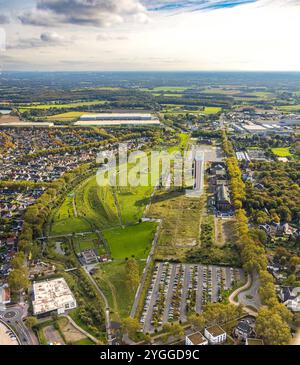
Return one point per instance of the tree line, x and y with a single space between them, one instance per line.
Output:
273 317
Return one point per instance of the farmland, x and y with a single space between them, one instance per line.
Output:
290 108
23 108
66 116
282 151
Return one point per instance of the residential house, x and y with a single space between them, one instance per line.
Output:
290 297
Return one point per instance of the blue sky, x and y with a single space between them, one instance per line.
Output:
150 34
169 5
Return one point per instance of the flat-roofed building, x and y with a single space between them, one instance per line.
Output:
52 296
196 339
116 119
215 334
27 124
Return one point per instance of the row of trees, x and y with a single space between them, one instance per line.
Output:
273 318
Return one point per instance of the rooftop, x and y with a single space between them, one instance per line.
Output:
27 124
197 338
51 295
117 119
215 330
254 342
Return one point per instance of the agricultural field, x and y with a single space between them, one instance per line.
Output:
179 109
209 110
282 151
66 116
289 108
169 88
23 108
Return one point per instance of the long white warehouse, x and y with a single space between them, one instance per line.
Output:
117 119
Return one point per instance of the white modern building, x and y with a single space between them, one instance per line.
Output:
196 339
198 168
215 335
117 119
52 296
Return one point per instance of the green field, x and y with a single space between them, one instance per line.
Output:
174 109
23 108
170 88
70 225
282 151
66 116
208 110
92 207
88 242
111 278
131 241
289 108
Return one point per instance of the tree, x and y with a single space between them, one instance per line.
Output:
174 329
31 322
198 321
18 279
131 326
272 328
18 261
222 314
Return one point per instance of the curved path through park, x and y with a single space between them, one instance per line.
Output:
236 293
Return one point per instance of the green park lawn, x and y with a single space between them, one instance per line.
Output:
282 151
87 242
70 225
131 241
111 278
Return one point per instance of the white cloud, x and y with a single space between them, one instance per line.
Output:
98 13
46 39
262 35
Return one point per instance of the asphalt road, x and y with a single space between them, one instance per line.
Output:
13 317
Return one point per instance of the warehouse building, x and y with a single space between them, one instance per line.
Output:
117 119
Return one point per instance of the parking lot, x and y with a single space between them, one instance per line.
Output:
178 289
7 337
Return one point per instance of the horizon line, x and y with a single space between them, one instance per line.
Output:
169 71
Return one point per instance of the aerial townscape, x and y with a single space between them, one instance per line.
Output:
193 239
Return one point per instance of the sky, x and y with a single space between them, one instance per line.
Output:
108 35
